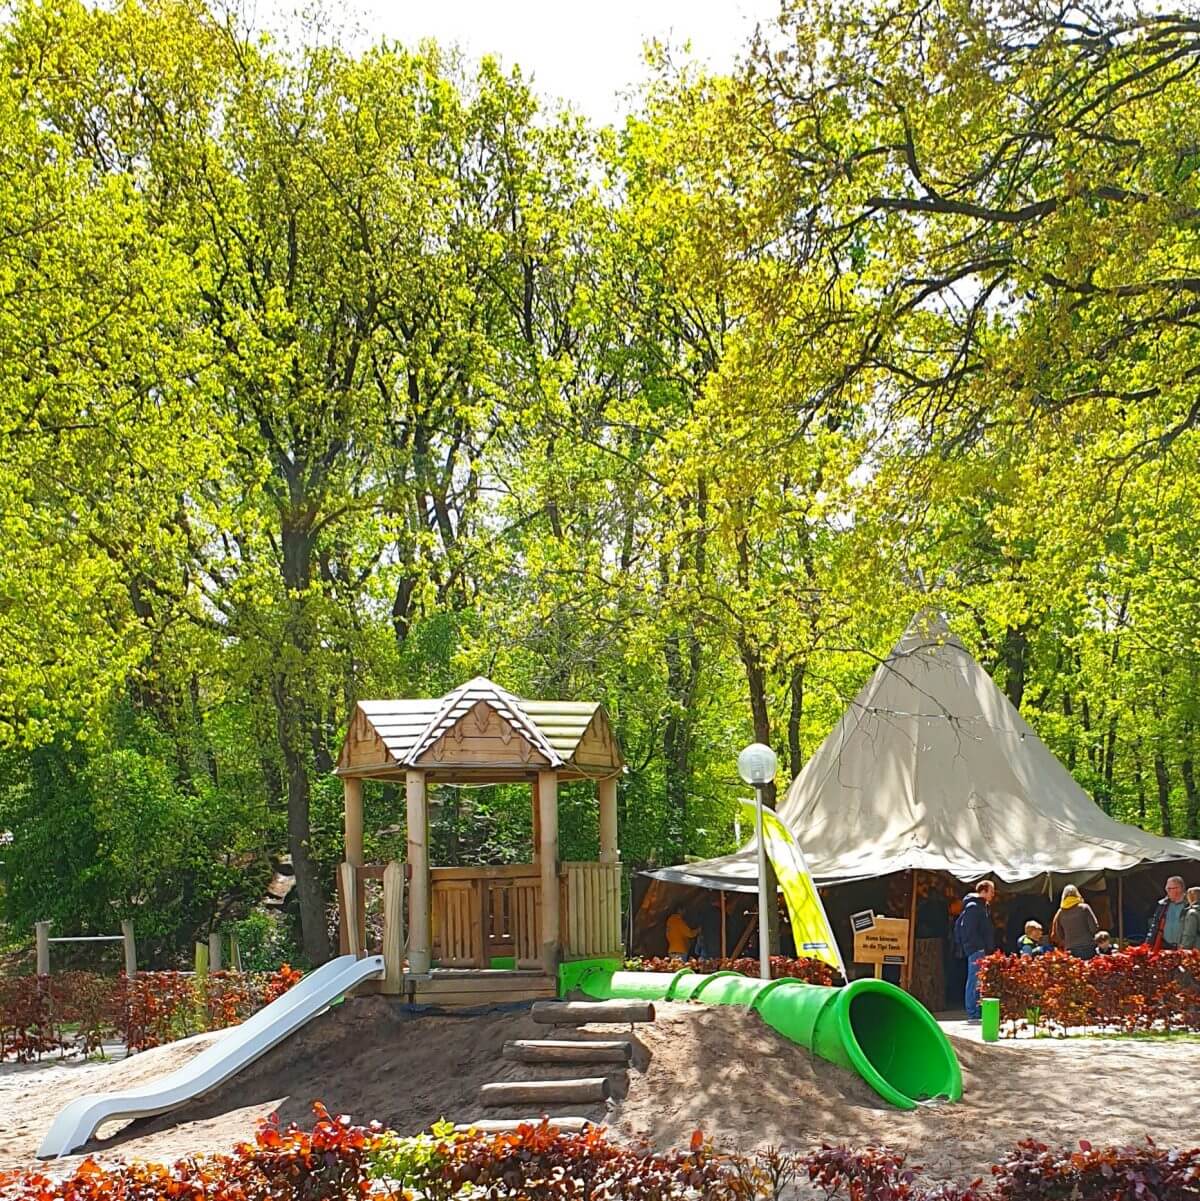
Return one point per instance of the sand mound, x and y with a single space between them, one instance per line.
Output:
716 1068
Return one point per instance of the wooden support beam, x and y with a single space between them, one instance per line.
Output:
348 875
906 972
547 797
356 902
568 1050
419 920
393 927
545 1092
606 791
42 933
214 952
130 948
580 1013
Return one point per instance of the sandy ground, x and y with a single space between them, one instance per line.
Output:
718 1069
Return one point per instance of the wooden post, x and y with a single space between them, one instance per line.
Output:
393 927
606 791
352 790
235 952
547 794
419 950
130 948
906 972
356 903
42 933
214 951
349 877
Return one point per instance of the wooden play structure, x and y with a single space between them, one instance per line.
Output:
470 935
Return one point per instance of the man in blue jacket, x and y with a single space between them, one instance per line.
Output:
976 937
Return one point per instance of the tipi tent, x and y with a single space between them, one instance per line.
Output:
932 769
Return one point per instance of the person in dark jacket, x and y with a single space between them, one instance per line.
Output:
1166 923
976 937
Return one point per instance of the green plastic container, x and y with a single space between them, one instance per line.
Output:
870 1027
989 1008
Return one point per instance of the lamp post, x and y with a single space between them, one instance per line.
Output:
756 765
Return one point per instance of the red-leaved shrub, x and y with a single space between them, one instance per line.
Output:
36 1013
328 1163
1138 989
1035 1172
813 971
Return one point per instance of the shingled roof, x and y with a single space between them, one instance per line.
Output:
390 736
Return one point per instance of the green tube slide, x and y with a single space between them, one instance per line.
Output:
870 1026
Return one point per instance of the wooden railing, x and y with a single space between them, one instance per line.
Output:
480 913
591 914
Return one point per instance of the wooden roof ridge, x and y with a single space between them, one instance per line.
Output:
457 703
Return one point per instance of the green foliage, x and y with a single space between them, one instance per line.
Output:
330 375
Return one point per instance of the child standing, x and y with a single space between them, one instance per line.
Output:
1033 942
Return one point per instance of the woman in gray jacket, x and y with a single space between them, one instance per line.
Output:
1075 925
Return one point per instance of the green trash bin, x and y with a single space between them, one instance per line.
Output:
990 1008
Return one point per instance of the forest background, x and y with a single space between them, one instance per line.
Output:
332 375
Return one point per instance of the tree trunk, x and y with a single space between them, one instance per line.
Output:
295 722
1015 653
1139 782
1163 779
795 716
309 893
1187 770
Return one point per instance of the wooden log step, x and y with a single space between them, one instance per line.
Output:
505 1125
580 1013
568 1050
519 1092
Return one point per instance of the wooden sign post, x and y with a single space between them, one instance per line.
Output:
885 940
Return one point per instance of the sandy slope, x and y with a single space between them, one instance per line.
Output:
719 1069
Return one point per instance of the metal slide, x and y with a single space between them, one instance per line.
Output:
237 1047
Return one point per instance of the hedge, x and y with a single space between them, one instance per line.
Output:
1135 990
339 1161
82 1010
814 971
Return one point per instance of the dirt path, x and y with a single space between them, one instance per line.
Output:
718 1069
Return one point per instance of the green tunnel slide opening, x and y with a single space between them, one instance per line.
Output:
870 1026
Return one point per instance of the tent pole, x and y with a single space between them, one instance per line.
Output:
721 898
1120 911
906 977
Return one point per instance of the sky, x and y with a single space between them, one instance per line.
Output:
585 53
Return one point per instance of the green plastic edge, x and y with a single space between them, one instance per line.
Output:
570 974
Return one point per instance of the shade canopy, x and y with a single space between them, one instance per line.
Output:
479 732
932 768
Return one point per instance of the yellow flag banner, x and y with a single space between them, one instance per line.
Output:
810 925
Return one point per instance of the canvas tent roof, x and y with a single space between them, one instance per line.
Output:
932 768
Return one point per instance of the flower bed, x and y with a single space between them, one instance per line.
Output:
814 971
339 1161
82 1010
1135 990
